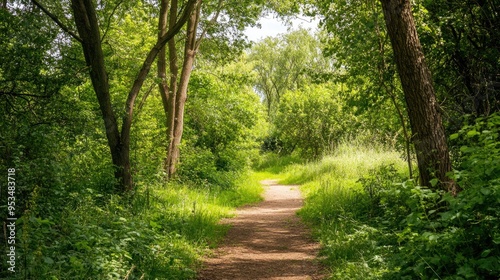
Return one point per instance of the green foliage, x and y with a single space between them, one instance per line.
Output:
461 45
459 237
372 226
160 233
310 120
287 62
221 120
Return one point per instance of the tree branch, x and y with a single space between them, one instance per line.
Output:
109 19
146 66
57 21
212 21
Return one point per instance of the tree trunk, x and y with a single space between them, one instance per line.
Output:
88 29
190 49
174 72
425 120
164 89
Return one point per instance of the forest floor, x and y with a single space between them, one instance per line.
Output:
267 241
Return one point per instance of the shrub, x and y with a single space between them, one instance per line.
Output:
220 140
310 120
457 237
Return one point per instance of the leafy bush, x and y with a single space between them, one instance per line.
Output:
310 120
458 237
220 137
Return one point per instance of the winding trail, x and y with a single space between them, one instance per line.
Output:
267 241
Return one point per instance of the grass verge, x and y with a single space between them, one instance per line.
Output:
337 205
161 232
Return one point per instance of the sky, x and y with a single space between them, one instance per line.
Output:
272 26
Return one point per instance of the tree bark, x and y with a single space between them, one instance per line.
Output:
164 89
190 49
174 72
425 119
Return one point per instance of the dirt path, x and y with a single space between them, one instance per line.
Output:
267 241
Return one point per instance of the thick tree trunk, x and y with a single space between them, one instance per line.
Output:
427 127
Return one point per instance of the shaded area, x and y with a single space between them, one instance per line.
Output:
267 241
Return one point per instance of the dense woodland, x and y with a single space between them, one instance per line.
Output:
129 128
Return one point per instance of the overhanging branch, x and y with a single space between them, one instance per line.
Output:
57 21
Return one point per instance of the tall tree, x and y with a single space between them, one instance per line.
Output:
425 119
89 35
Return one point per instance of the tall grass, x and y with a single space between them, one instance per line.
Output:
337 204
374 223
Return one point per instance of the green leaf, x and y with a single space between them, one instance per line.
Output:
154 224
48 260
454 136
485 191
434 182
472 133
485 253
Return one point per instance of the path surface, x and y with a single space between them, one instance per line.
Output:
266 241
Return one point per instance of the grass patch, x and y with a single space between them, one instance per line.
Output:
337 206
248 191
272 163
160 233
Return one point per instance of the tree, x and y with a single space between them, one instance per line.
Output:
461 41
311 120
286 62
89 35
216 27
425 119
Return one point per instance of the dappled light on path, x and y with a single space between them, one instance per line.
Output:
267 241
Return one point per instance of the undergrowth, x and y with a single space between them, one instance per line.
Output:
159 233
375 223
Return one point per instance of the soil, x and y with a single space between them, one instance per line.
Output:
267 241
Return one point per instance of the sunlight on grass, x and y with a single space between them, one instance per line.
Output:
334 196
161 232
